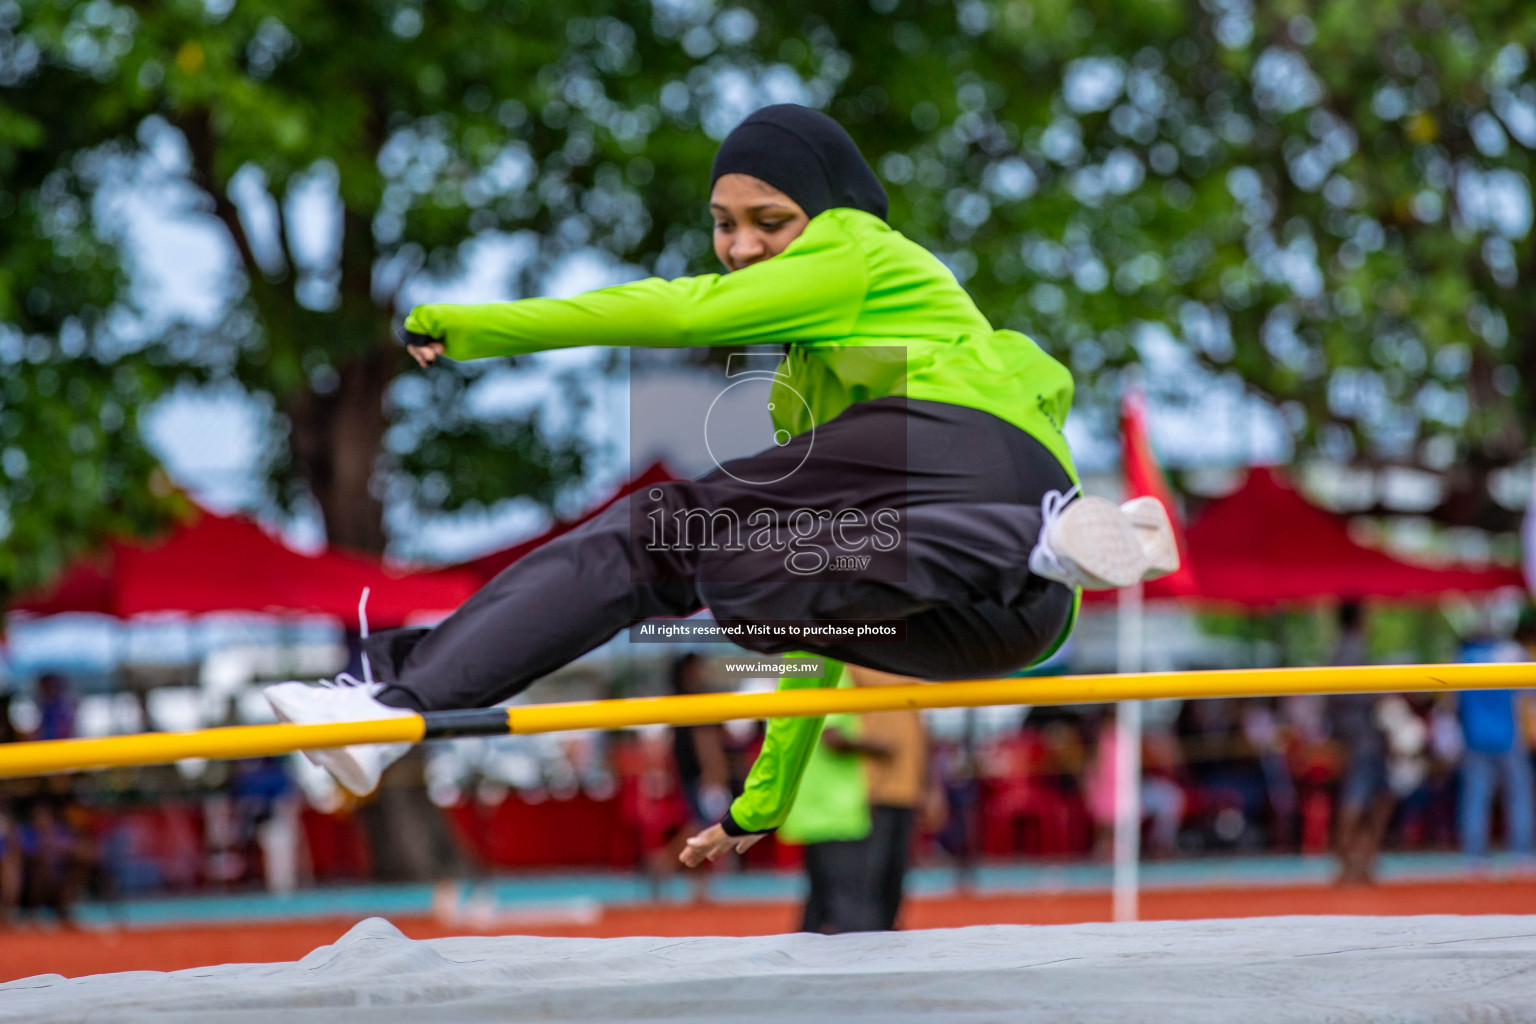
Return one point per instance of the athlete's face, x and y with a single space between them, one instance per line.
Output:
753 220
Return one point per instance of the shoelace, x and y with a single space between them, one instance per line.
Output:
362 622
345 684
1043 560
346 680
1055 503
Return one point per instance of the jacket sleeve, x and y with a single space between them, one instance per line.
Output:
775 776
812 290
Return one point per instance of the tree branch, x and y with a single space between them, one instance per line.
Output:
283 247
196 126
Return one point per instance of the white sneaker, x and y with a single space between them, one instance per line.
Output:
1094 544
344 699
1155 532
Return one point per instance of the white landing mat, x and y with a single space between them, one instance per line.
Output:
1301 969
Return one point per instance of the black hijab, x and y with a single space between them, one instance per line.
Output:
804 154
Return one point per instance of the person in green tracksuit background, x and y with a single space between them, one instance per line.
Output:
854 812
831 820
918 475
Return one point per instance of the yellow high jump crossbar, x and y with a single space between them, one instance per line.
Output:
50 756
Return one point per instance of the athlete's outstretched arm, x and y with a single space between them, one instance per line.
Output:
773 781
814 289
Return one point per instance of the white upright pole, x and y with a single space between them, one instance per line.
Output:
1128 761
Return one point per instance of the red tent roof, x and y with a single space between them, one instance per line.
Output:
229 563
487 566
1266 545
84 586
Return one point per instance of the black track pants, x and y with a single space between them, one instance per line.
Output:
960 489
841 896
890 845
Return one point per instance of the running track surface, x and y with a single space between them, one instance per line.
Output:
33 950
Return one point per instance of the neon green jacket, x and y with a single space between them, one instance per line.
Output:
849 283
833 803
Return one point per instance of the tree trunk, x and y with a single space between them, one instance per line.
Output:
336 440
337 437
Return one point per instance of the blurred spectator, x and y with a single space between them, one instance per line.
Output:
1365 799
1228 793
1427 815
954 766
10 867
1033 802
408 836
1261 729
1162 799
1525 636
1313 760
899 789
47 850
831 817
8 731
10 848
1495 755
703 769
694 790
267 806
56 706
1407 734
651 803
55 859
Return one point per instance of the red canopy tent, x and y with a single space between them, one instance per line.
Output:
213 563
84 586
1265 545
229 563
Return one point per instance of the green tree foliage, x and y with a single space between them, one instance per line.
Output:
73 374
1329 201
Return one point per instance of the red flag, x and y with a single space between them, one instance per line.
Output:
1143 476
